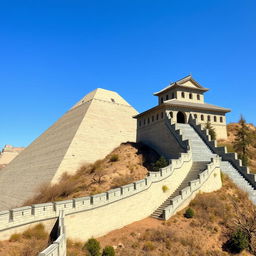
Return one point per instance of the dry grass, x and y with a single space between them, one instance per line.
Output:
127 163
28 243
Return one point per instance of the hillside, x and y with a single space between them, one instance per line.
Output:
126 164
203 235
8 153
231 128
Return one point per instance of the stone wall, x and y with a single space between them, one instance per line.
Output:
157 135
119 206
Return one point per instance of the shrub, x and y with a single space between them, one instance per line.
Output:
38 232
122 180
148 246
160 163
15 237
238 242
189 213
114 158
211 130
93 247
108 251
164 188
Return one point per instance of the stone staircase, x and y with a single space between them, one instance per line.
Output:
238 179
202 155
201 152
196 168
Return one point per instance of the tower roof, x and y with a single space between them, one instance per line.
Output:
186 82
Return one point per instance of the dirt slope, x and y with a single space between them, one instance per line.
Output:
127 163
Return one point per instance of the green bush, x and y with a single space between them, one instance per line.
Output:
189 213
114 158
92 246
108 251
160 163
238 242
164 188
211 130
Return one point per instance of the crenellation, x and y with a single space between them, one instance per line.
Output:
114 194
4 218
82 203
21 214
185 193
66 205
41 210
99 199
128 189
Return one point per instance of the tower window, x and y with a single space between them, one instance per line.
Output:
183 95
191 96
202 117
195 115
162 100
221 119
215 119
198 96
152 118
173 96
209 118
156 116
167 97
112 100
144 121
148 120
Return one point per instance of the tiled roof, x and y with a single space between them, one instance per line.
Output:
185 104
179 83
192 105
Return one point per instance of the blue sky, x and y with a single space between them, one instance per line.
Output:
52 53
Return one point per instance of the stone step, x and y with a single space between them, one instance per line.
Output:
196 169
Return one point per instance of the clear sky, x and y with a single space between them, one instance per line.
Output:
54 52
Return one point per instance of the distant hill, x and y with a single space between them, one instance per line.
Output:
8 153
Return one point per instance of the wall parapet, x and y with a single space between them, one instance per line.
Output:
38 212
190 190
58 247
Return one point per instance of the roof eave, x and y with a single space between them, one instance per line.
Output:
224 110
177 85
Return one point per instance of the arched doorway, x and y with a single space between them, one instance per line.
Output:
181 118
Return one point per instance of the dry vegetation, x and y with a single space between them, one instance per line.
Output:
29 243
127 163
231 137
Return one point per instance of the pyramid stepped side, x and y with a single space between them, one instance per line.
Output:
38 163
105 126
87 132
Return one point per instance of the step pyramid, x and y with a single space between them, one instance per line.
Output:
90 130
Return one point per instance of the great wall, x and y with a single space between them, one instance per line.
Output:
197 168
